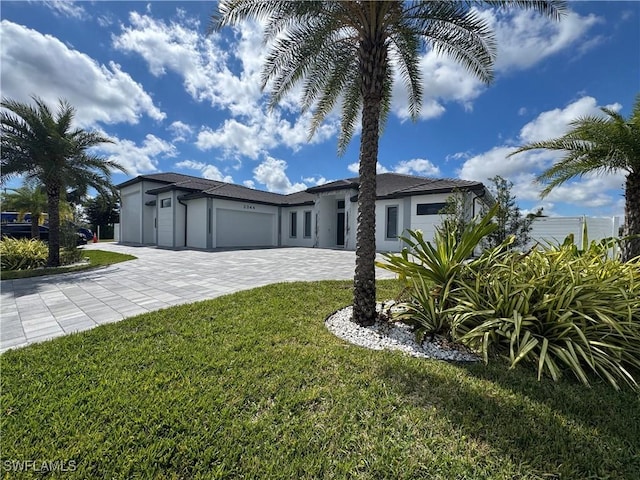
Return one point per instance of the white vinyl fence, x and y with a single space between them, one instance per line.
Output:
556 229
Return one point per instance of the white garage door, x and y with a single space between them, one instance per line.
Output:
236 228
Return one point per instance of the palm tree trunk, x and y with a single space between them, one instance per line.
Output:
372 72
53 207
631 248
35 229
364 293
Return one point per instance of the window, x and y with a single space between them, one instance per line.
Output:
429 208
165 202
392 222
340 204
294 225
307 224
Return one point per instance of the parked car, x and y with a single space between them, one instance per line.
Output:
86 233
23 230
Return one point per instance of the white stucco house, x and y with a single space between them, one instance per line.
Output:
172 210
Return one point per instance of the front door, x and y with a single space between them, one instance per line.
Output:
340 230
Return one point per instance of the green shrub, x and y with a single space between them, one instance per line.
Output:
22 254
70 255
430 270
556 311
558 308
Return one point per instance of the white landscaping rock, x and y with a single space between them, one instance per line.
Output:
393 336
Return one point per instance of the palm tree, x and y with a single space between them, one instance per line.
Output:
27 199
44 147
347 52
602 145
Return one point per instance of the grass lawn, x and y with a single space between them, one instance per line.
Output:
252 385
97 258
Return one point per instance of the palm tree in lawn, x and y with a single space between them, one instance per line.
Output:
43 147
27 199
347 52
602 145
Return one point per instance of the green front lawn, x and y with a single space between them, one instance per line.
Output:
252 385
97 258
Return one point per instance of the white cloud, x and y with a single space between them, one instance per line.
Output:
525 37
496 162
204 64
206 170
555 123
66 8
354 168
255 137
137 158
590 191
181 131
178 47
316 180
443 80
236 138
101 93
249 184
105 20
417 166
271 173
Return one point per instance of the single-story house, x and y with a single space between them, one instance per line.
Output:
172 210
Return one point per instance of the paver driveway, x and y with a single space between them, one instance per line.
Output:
39 308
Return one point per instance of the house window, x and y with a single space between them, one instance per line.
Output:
165 202
430 208
307 224
392 222
294 225
340 204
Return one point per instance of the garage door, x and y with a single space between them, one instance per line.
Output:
236 228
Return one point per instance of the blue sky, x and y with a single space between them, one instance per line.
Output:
174 99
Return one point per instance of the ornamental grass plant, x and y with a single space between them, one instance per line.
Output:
558 308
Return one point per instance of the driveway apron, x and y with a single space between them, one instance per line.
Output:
40 308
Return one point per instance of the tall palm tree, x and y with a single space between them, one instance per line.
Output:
347 52
44 147
27 199
601 145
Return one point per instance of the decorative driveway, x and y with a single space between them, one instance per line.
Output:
40 308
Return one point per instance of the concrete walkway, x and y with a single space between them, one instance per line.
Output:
40 308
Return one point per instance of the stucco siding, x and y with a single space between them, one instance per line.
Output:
385 243
426 223
131 214
197 224
300 240
166 226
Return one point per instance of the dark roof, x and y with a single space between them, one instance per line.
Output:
196 187
389 185
161 178
239 192
394 185
189 185
337 185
